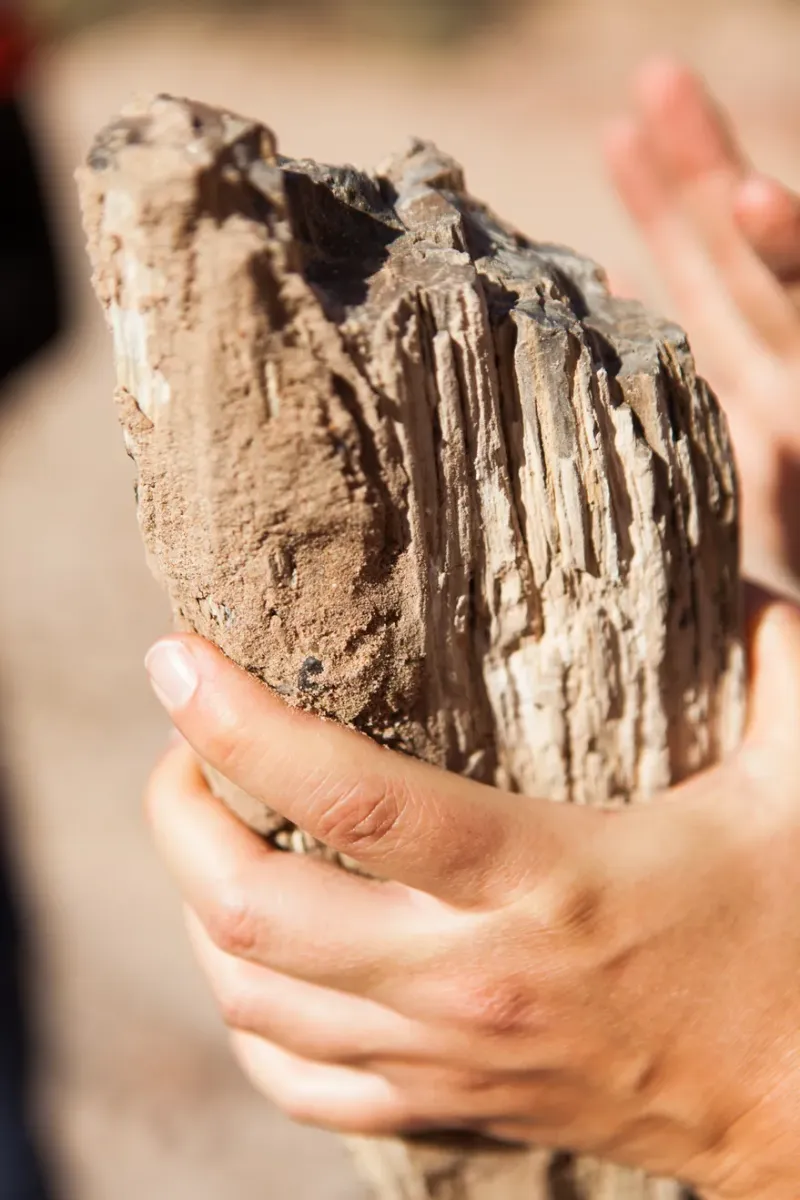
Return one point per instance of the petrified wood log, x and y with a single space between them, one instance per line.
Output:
427 477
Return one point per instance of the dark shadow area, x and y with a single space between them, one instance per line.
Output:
788 500
31 308
31 316
22 1162
340 219
561 1179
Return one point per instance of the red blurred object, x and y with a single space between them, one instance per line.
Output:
16 47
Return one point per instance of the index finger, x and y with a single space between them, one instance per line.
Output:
687 123
460 841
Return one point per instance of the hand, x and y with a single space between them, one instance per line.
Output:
624 984
727 243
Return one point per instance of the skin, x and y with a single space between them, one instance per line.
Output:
624 985
726 241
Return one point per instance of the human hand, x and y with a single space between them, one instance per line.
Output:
622 984
727 243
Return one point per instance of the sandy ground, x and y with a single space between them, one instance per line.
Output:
139 1096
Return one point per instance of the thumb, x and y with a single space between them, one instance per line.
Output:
775 675
399 818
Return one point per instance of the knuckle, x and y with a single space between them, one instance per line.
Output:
157 789
569 906
298 1105
287 1090
362 816
496 1009
473 1083
222 744
232 924
235 1005
175 780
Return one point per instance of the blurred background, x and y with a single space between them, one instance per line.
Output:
136 1093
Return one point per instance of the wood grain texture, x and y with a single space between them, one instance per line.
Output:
427 477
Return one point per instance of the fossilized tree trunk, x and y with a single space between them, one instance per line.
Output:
420 474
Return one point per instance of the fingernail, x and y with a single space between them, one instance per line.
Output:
172 673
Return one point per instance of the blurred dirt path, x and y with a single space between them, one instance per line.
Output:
140 1097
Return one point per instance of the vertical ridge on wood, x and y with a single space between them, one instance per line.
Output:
424 476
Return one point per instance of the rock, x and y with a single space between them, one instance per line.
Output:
424 476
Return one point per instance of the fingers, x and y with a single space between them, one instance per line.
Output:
401 819
694 137
406 1099
703 166
337 1098
312 1022
769 216
678 171
686 126
705 305
294 915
